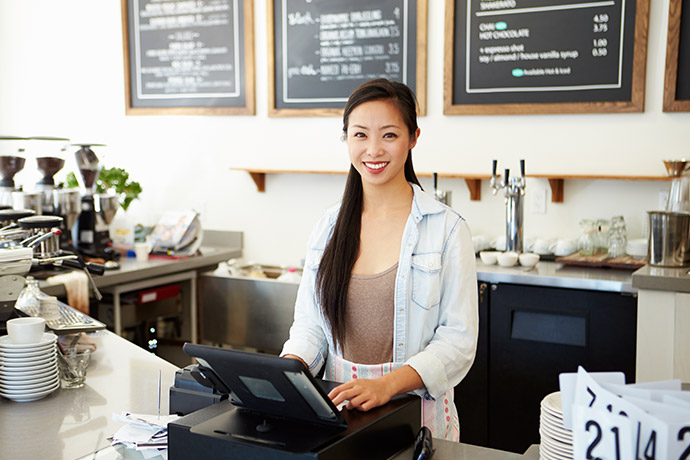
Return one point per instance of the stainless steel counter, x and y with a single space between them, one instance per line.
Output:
552 274
130 270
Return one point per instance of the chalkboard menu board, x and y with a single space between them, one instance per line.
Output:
189 57
321 50
545 56
677 77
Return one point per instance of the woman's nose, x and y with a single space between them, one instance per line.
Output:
375 148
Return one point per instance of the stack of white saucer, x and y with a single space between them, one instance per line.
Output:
637 248
556 441
28 371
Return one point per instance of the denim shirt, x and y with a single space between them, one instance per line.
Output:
436 306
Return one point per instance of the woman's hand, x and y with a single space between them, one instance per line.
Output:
365 394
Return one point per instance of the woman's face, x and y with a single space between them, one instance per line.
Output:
378 141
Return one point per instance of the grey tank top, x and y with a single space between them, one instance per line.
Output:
369 316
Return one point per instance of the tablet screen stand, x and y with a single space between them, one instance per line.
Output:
273 386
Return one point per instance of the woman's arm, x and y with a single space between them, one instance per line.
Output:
365 394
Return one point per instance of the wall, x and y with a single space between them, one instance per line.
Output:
62 74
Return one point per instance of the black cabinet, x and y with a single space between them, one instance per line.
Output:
529 335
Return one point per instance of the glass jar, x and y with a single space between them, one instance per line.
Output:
602 227
618 237
586 243
29 300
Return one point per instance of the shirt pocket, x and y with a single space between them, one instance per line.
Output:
426 279
313 259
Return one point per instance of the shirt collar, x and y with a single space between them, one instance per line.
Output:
423 204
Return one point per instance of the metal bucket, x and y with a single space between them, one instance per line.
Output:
669 239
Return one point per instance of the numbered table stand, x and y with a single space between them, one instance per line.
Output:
188 282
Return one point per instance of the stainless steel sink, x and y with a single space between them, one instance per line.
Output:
246 312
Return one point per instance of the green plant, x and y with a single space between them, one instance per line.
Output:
115 179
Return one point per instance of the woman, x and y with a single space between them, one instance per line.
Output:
388 298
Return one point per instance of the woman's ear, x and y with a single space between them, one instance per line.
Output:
413 139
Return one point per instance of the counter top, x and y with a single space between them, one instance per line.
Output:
69 424
552 274
662 279
75 423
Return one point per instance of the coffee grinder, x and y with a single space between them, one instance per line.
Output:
50 158
10 164
90 231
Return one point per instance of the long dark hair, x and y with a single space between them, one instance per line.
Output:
340 255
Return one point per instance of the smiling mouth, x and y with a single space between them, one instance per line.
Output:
377 165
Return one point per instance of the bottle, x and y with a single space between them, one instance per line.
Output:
290 276
29 300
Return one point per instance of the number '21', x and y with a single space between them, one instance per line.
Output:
597 439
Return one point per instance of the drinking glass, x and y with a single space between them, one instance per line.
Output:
72 365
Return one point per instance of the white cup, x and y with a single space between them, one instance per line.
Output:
49 308
563 247
499 243
141 250
540 246
26 330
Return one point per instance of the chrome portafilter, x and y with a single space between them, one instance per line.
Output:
43 236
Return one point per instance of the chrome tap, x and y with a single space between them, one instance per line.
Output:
514 190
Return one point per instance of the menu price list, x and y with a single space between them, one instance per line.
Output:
325 49
185 49
546 51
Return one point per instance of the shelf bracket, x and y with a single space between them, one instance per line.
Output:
556 190
259 179
475 187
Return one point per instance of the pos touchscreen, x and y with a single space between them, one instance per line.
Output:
267 384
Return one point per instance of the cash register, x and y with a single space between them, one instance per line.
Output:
271 407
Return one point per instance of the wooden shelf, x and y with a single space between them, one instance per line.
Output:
473 181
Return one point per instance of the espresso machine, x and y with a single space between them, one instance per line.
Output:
90 232
514 190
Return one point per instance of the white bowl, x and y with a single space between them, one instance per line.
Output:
528 259
26 330
507 259
489 257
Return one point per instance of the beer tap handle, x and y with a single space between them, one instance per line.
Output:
435 182
506 178
522 168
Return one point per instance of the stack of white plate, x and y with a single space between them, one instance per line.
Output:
28 371
637 248
556 441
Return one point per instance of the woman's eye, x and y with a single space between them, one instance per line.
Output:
390 135
359 134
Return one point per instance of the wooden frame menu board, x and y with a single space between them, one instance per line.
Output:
319 51
544 56
188 58
677 76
